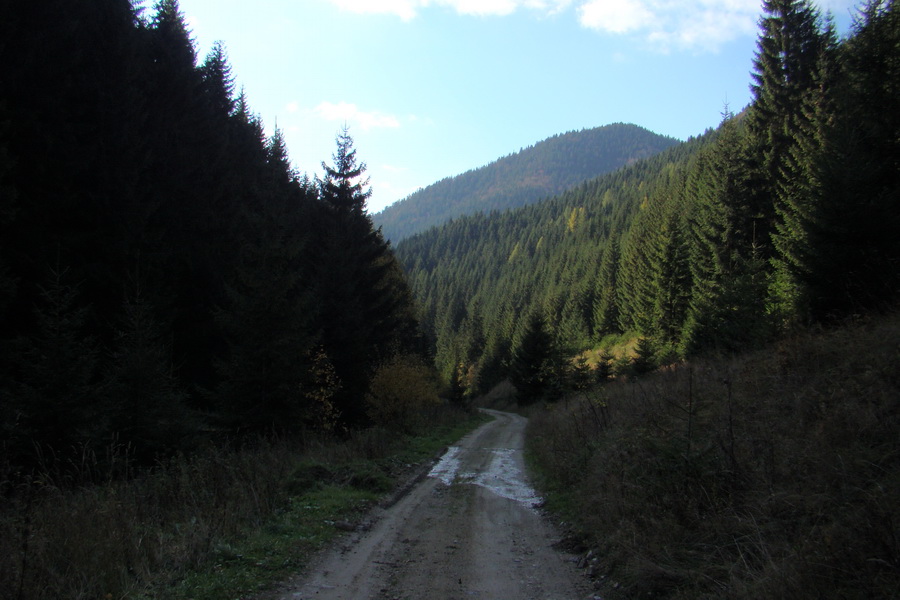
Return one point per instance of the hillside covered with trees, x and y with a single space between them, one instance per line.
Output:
784 216
165 275
538 172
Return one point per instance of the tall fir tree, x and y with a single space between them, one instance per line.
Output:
728 292
145 403
606 311
853 259
53 391
801 191
672 278
218 81
368 312
790 50
532 369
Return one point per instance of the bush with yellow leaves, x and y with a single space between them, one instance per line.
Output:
400 391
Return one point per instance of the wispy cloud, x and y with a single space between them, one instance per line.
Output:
350 113
693 24
405 9
409 9
615 16
665 25
697 25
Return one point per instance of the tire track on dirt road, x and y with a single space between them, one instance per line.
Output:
469 530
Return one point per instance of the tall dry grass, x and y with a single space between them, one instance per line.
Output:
775 474
105 540
131 536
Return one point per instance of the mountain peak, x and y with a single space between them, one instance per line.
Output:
540 171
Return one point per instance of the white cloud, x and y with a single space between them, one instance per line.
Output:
350 113
685 24
703 25
482 7
615 16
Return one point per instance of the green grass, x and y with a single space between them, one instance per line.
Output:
222 524
274 551
341 493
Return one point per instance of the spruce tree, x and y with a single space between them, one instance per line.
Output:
789 55
269 371
788 52
54 389
728 283
801 190
854 257
269 326
145 403
368 313
605 307
532 368
672 279
218 81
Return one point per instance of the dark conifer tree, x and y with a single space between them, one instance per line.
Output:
218 81
635 294
269 318
144 401
672 279
54 385
368 313
654 277
852 260
791 46
269 325
728 282
532 369
644 360
8 209
788 53
606 313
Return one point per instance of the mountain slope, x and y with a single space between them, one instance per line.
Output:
540 171
477 278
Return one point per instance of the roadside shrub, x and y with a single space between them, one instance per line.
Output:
399 392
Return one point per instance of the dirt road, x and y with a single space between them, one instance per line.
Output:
468 530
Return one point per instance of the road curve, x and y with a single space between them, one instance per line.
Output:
469 530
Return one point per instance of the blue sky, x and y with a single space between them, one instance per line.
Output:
433 88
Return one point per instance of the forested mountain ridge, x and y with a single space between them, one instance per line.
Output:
540 171
785 217
476 278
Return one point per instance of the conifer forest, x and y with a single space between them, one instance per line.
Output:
164 272
783 216
175 296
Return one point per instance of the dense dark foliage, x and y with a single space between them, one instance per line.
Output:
538 172
161 264
768 474
786 215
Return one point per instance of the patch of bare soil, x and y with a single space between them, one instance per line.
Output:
468 530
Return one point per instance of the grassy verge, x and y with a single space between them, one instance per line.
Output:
220 524
770 475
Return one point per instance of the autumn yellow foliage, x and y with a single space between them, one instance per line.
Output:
400 391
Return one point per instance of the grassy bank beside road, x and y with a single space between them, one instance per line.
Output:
220 524
770 475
